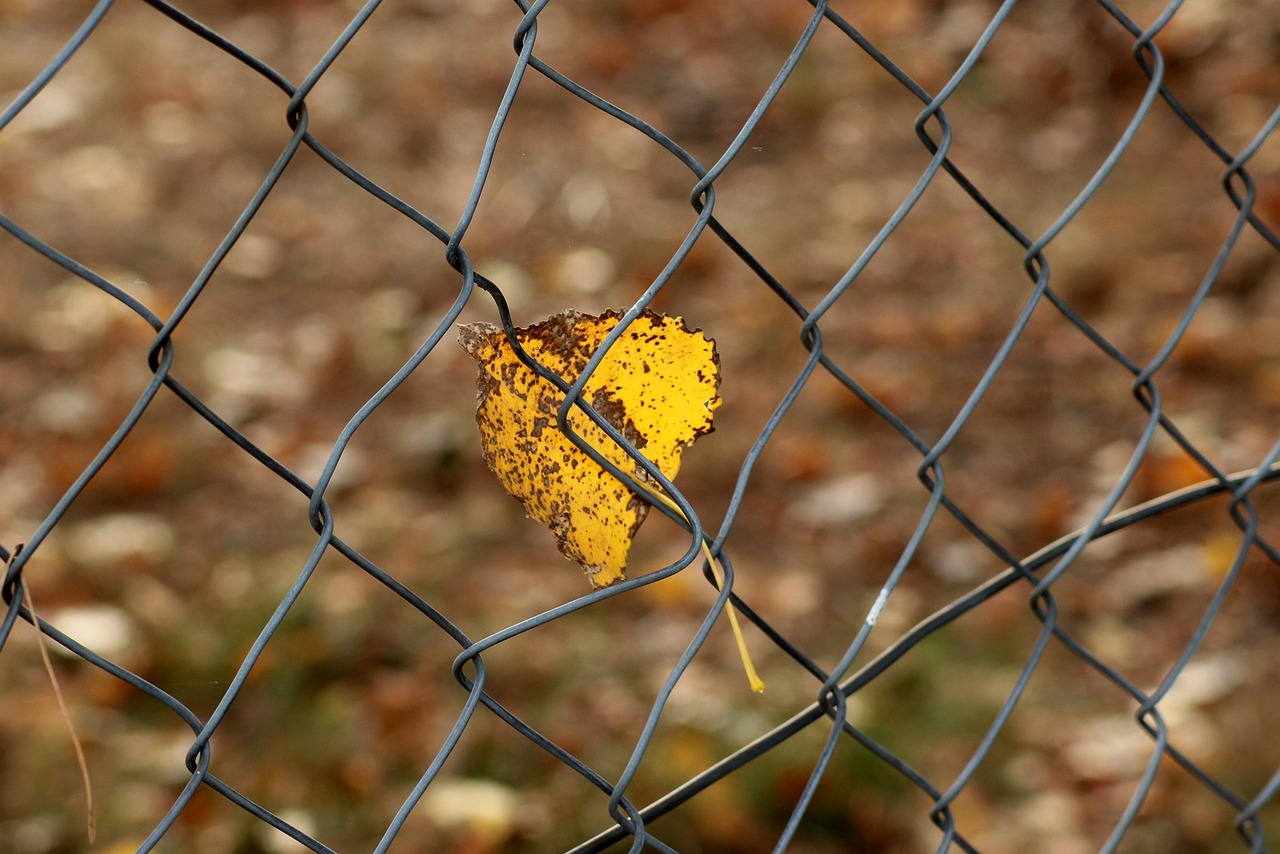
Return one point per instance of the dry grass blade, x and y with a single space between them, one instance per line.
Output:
62 705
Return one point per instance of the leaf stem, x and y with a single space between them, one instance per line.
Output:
757 684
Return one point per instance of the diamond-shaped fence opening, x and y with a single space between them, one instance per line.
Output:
997 303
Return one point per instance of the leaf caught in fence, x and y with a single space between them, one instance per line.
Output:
657 385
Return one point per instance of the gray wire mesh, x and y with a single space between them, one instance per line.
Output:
918 283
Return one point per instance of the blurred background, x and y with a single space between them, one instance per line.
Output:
139 155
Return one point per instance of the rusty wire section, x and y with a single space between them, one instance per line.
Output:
627 820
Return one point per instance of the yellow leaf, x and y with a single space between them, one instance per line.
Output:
657 385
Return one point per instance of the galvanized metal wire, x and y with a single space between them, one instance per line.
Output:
626 821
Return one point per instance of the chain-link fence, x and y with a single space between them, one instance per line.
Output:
997 300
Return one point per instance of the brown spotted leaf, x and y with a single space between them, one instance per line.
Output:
657 385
